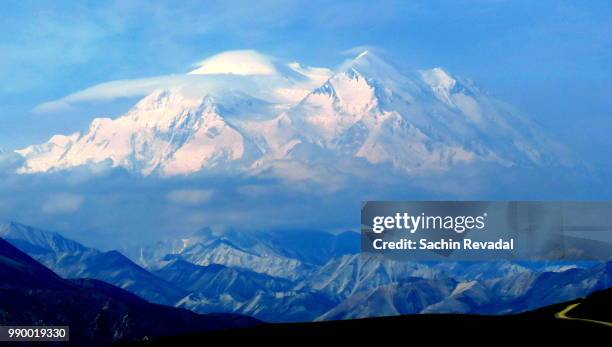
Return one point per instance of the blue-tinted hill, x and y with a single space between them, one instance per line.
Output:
97 312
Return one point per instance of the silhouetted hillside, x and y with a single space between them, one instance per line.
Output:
97 312
473 329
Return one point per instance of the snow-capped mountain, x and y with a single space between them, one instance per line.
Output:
165 131
301 117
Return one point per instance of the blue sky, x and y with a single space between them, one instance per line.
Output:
551 59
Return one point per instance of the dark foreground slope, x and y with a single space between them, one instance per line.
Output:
544 324
97 313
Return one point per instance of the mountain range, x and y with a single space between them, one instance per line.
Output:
299 122
96 312
290 276
71 259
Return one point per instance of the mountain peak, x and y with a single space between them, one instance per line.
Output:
372 66
41 239
439 76
366 109
168 98
440 82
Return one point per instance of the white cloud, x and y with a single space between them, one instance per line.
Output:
241 62
62 203
112 90
9 161
259 86
190 197
53 106
242 71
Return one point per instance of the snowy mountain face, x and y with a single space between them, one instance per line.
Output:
288 255
298 116
346 275
218 288
165 131
220 280
409 297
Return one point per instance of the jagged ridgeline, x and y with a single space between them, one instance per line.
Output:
307 275
260 115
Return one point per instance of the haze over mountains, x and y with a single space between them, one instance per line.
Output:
304 276
255 115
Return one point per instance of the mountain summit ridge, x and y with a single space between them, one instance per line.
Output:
366 109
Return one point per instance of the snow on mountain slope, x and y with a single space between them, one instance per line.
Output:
215 279
290 306
409 297
481 270
349 274
165 132
523 291
218 288
303 117
283 254
507 294
279 307
205 248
